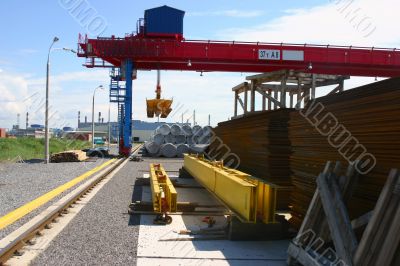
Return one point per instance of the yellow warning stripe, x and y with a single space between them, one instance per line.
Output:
17 214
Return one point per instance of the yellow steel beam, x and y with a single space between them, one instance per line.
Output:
248 197
267 195
163 193
238 194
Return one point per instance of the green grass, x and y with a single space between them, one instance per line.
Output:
30 148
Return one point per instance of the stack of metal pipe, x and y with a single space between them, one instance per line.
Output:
174 140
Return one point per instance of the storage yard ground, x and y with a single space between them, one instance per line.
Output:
21 183
104 233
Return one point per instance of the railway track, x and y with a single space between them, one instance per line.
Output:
12 244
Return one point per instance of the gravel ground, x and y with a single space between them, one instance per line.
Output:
102 233
21 183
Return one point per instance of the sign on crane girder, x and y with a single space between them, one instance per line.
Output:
289 55
264 54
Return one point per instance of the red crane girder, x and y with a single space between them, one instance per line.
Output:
198 55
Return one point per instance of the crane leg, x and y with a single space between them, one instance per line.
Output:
126 142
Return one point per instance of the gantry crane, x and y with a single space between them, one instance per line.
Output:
158 44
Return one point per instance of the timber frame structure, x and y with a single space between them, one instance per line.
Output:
277 87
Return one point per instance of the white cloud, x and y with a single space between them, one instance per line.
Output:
228 13
20 94
13 90
342 22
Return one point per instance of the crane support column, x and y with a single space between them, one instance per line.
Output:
125 148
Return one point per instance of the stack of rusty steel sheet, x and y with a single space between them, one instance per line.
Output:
261 143
358 124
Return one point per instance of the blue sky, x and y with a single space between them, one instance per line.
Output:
28 27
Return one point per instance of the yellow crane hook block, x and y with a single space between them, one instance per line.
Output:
158 107
163 193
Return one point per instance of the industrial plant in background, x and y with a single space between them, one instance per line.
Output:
30 130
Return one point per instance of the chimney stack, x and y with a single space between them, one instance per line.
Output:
27 120
85 119
79 118
99 117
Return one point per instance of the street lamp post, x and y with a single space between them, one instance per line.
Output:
94 93
46 132
109 127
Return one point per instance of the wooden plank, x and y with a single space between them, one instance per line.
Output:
362 220
240 87
235 111
291 100
269 99
298 98
392 241
283 92
268 96
314 209
313 86
301 256
240 102
264 103
346 185
245 102
289 87
335 90
378 214
343 217
269 76
253 96
340 240
382 233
